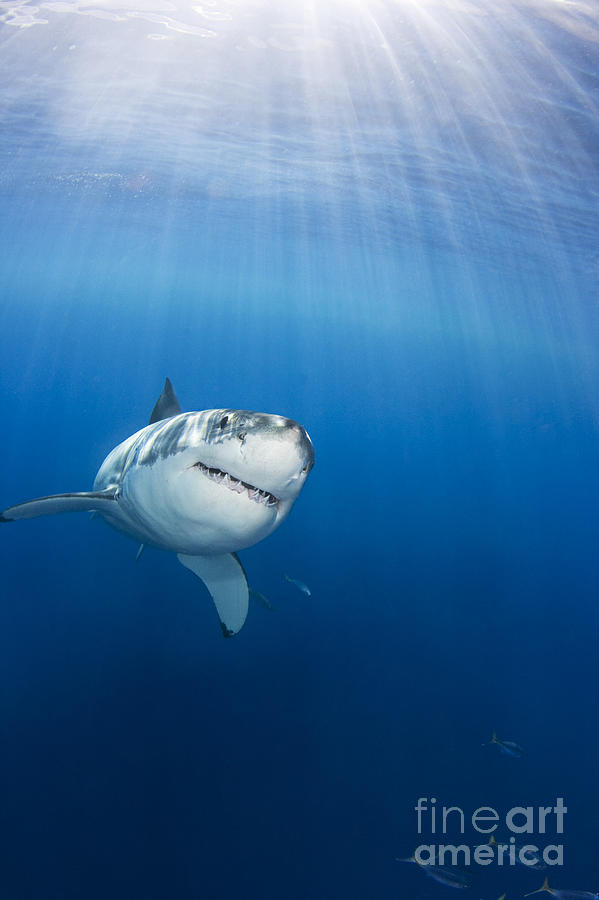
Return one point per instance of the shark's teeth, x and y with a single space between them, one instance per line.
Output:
239 487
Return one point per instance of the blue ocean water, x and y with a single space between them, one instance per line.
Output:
379 219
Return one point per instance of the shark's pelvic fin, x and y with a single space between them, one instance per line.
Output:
59 503
225 579
167 404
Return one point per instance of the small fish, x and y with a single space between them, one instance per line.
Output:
564 894
510 748
450 877
299 585
261 599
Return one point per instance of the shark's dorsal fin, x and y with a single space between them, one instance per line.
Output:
167 404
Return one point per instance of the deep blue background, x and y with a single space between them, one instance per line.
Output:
439 343
448 533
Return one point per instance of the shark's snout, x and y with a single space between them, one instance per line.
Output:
291 428
305 446
277 451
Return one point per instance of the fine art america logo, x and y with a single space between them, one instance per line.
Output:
526 825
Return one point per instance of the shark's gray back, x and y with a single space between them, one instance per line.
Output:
171 436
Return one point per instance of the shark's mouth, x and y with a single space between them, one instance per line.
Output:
237 486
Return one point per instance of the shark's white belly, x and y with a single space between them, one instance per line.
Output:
154 507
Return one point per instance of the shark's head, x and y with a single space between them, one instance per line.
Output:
219 480
269 453
250 468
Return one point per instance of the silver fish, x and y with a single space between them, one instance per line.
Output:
299 585
564 893
509 748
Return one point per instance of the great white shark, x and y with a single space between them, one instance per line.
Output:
201 484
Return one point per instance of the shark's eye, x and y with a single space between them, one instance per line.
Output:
242 435
223 421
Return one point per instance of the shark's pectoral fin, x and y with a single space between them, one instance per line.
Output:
225 579
59 503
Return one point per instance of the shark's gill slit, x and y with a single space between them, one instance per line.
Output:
239 487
